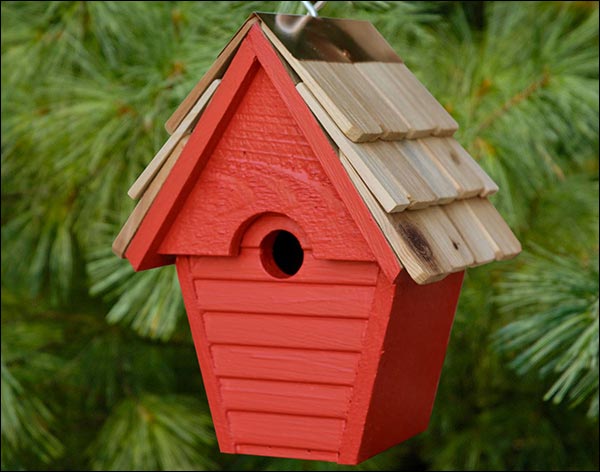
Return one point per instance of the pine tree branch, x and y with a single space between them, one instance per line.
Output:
514 101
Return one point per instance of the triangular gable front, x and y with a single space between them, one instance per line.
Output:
149 248
263 164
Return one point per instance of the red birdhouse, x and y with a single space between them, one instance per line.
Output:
321 217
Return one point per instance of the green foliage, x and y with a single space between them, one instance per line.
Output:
26 367
528 104
150 302
96 358
24 420
560 335
152 432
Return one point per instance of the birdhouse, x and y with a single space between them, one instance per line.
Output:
321 217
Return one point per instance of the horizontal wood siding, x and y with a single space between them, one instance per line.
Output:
294 398
337 368
284 331
272 429
285 352
288 452
347 301
247 266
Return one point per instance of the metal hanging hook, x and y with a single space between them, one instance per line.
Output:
295 25
313 10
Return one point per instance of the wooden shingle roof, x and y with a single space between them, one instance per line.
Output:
426 193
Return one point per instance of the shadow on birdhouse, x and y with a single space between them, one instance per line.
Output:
321 217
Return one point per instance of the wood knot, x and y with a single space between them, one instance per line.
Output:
415 239
454 157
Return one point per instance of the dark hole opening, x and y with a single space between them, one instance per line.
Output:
282 254
287 253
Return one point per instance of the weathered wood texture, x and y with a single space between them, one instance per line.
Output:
185 127
216 70
371 100
408 173
436 241
129 229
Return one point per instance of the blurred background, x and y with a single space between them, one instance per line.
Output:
98 366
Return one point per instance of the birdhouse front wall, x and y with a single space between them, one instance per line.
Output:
333 363
279 355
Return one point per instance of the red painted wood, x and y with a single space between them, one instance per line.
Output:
143 249
272 429
244 178
293 398
300 332
337 362
303 354
279 297
386 389
410 366
298 365
379 379
247 266
322 148
293 453
371 353
211 384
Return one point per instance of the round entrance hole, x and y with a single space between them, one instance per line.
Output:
281 254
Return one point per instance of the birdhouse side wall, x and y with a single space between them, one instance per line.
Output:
412 357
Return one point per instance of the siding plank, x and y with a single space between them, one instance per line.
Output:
285 397
345 301
286 431
287 452
336 368
284 331
247 266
